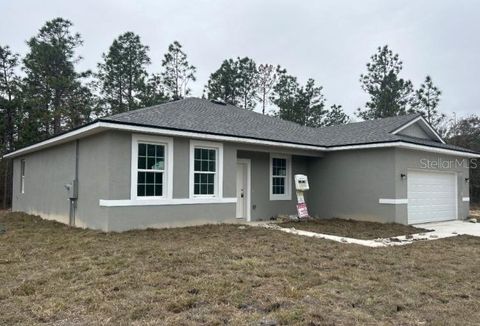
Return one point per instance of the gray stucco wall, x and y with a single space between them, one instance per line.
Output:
46 173
262 208
415 131
408 160
348 184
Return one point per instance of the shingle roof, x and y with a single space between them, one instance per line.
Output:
205 116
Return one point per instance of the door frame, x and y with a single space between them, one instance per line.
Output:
248 204
455 175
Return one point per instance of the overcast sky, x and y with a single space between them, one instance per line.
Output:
330 41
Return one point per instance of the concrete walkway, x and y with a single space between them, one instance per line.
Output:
440 230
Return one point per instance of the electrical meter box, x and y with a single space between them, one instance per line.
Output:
301 182
72 189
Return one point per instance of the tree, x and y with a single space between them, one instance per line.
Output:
466 133
122 74
247 82
51 81
426 102
9 97
304 105
154 92
389 94
335 116
177 72
268 76
235 82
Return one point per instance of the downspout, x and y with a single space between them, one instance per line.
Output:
73 193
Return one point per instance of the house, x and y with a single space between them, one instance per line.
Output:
196 161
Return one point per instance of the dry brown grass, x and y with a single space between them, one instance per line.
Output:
220 274
352 229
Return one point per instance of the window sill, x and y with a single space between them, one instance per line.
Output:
163 202
282 197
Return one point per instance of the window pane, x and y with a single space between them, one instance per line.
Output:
196 189
198 153
141 177
142 163
141 190
211 166
210 189
151 150
203 189
150 190
158 178
210 178
160 151
150 177
142 150
158 190
151 163
204 166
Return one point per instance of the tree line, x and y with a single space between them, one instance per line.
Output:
43 93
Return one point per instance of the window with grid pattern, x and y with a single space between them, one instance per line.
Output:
205 171
150 170
279 176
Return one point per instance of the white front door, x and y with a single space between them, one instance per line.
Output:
243 191
432 197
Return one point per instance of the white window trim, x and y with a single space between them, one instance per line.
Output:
218 193
167 175
288 178
23 167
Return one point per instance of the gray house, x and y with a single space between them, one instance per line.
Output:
196 161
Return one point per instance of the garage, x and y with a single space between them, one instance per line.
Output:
432 197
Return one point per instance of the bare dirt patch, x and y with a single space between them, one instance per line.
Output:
475 210
223 274
353 229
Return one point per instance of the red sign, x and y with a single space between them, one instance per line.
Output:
302 210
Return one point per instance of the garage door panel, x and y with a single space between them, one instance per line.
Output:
431 197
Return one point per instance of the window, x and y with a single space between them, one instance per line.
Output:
152 163
22 176
206 166
280 177
151 170
205 170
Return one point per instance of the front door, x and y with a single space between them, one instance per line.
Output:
242 189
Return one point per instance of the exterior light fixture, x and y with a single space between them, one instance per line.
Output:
467 180
403 176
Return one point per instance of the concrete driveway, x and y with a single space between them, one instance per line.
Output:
448 228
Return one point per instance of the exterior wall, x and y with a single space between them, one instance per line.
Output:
407 160
262 208
46 173
348 184
415 131
345 184
125 218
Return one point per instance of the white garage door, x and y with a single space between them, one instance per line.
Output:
432 197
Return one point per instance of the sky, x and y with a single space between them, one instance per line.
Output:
329 41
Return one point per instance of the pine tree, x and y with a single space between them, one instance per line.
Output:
235 82
51 81
177 72
335 116
389 94
122 75
9 97
304 105
268 76
426 101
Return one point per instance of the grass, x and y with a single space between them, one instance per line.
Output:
226 274
353 229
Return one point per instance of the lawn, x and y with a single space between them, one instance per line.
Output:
229 274
352 229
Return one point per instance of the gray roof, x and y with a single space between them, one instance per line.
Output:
205 116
